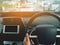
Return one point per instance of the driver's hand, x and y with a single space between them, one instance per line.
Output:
27 40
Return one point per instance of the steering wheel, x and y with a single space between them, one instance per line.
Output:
44 18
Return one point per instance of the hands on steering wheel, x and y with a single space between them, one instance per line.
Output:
27 40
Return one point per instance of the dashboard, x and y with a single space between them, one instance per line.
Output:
24 20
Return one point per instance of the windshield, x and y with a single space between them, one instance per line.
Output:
29 5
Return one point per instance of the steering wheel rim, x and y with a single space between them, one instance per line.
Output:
41 14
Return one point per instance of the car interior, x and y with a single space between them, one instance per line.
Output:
39 18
